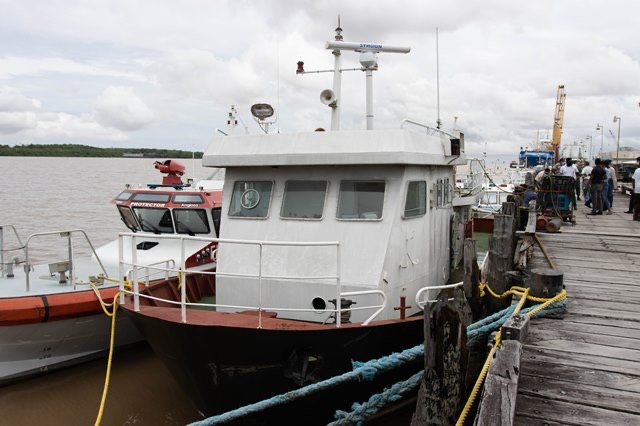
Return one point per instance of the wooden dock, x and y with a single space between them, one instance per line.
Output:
585 369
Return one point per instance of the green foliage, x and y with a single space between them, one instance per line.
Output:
71 150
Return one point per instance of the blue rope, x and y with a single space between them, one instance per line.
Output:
366 371
360 412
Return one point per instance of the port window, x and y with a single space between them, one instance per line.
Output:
128 218
362 200
250 199
154 220
191 221
416 200
303 199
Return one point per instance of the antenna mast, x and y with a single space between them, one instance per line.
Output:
438 122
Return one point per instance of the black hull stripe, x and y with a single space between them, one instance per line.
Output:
46 308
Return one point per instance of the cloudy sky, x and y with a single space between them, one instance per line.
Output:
152 73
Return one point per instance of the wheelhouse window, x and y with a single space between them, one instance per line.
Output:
151 197
303 199
188 199
250 199
216 214
124 196
156 220
416 202
128 218
191 221
361 200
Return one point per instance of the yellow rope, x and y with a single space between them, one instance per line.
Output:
479 382
524 295
111 314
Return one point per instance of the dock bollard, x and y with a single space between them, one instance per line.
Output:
546 283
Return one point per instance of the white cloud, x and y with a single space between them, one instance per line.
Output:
500 64
11 100
120 108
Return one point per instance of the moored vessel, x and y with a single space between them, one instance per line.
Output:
51 300
329 239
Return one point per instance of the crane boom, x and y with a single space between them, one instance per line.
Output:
557 123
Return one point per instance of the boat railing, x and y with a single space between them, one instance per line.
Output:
2 248
421 303
429 129
63 266
472 181
149 271
260 276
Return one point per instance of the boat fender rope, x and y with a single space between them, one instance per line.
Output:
361 412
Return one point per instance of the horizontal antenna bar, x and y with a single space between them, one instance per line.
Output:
360 47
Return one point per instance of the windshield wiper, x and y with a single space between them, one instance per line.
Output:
145 224
185 227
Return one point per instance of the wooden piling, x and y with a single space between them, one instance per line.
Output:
441 394
498 402
471 279
501 248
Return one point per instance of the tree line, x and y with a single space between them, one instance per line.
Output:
72 150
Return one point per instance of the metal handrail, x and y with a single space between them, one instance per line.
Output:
425 126
421 304
2 249
260 308
64 233
171 266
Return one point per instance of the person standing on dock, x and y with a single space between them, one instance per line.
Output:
612 183
596 180
586 191
570 170
636 191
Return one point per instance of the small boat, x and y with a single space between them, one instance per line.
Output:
50 312
330 242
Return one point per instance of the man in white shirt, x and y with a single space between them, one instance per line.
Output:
636 191
569 169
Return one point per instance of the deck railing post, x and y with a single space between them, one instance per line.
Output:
183 282
134 261
260 287
121 268
2 267
339 287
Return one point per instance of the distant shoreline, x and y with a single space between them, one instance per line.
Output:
71 150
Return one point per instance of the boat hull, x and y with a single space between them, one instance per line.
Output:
35 348
224 361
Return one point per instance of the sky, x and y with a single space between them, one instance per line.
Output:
164 74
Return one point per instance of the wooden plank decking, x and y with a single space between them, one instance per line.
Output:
585 369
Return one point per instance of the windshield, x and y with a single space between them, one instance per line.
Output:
128 218
156 220
191 221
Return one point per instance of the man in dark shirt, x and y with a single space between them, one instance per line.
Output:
596 180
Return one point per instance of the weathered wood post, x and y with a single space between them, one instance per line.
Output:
498 403
471 279
442 388
501 249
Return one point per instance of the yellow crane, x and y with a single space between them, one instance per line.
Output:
558 117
